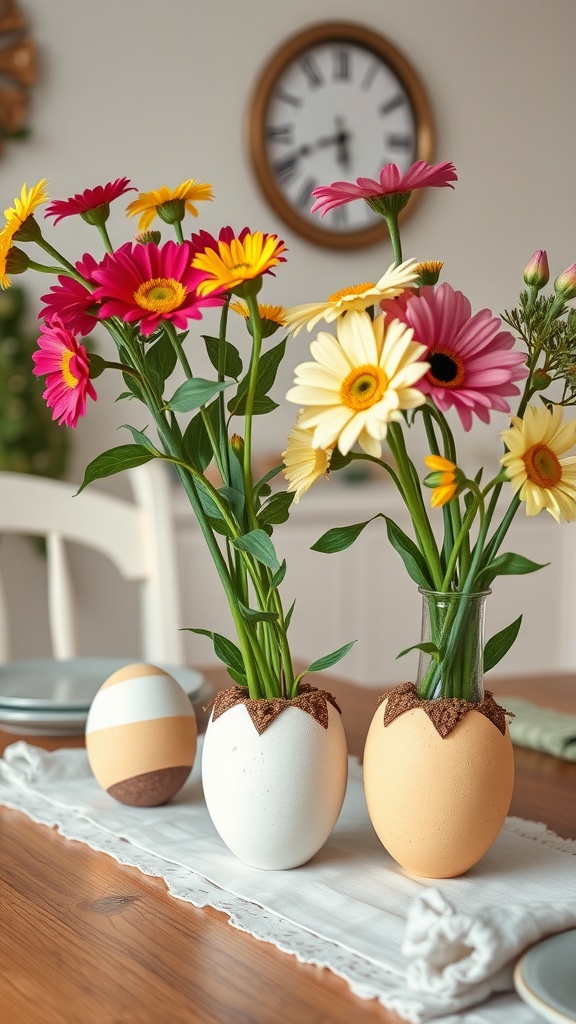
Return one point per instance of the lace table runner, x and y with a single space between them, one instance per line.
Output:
431 951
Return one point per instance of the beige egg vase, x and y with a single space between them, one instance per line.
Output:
438 779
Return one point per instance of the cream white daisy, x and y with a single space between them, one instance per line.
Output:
533 466
359 382
303 464
357 297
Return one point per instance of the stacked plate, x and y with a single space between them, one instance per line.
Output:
52 698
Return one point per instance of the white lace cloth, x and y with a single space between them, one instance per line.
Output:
441 951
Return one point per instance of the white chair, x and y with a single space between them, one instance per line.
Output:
137 536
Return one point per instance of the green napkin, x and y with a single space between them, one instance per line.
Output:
553 732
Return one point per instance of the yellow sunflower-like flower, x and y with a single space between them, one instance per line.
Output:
359 382
357 297
25 204
304 464
275 313
5 246
444 479
168 203
234 263
533 466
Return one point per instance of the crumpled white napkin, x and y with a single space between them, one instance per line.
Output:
455 954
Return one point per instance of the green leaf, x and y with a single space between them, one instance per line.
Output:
329 659
278 576
256 615
194 393
258 544
161 359
232 362
133 386
427 647
267 370
141 438
224 649
235 501
410 555
115 460
340 537
262 487
276 510
500 644
197 448
288 616
507 564
238 677
236 473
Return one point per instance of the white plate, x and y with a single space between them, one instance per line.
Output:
545 978
65 686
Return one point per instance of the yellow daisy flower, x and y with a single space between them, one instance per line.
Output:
149 204
276 314
240 260
533 466
304 464
444 479
429 271
359 382
25 204
357 297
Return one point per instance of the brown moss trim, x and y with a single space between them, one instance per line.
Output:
444 712
263 712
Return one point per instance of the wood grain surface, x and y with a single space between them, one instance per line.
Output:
85 940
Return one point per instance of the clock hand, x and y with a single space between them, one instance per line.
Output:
287 166
343 152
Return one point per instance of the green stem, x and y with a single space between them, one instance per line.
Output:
394 232
412 497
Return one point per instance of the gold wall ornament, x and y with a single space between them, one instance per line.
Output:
17 70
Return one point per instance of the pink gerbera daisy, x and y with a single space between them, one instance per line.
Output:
472 362
149 284
391 181
67 368
90 202
72 301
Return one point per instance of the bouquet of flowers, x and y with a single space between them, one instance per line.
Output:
145 293
409 347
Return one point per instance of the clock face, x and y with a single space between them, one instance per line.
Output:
336 104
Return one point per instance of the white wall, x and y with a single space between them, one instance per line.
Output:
157 91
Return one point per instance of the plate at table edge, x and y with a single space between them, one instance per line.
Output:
538 972
43 677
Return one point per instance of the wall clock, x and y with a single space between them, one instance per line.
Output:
17 70
335 102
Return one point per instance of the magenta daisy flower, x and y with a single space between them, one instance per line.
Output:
472 362
391 181
72 301
149 284
67 368
90 202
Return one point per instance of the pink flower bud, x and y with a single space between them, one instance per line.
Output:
537 272
565 283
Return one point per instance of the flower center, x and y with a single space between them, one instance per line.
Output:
446 368
353 289
542 466
160 295
363 387
69 379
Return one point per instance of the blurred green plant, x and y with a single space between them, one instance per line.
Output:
30 441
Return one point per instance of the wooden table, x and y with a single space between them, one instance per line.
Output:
84 940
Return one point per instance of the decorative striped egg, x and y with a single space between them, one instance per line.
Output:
141 736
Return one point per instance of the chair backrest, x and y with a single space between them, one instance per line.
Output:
137 536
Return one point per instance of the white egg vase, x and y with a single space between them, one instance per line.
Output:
274 774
